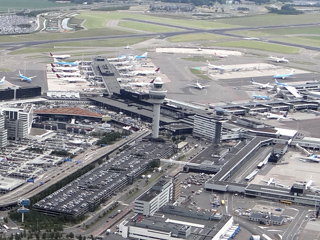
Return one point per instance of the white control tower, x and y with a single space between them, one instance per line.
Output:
157 95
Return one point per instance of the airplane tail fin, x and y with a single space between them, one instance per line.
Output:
2 79
51 54
55 60
58 76
53 70
251 80
152 81
157 70
292 71
145 54
52 65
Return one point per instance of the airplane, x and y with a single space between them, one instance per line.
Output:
71 79
143 56
144 73
127 47
270 181
24 78
276 59
291 89
60 56
198 85
65 68
126 68
261 85
309 184
141 84
281 84
117 59
215 67
220 55
76 63
275 116
2 79
68 74
260 97
313 158
283 76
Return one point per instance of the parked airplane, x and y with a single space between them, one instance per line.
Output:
261 85
76 63
313 158
215 67
274 116
68 74
281 84
117 59
270 181
141 84
260 97
144 73
143 56
65 68
127 47
60 56
276 59
283 76
24 78
71 79
309 184
291 89
126 68
198 85
2 80
220 55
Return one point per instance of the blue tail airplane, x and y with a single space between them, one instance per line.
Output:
281 84
283 76
76 63
24 78
260 97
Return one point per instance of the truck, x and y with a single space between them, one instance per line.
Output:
255 237
108 231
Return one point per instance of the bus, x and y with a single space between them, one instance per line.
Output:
260 165
222 202
285 202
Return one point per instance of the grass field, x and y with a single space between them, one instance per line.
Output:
278 32
308 41
272 19
147 27
268 47
99 20
29 4
196 37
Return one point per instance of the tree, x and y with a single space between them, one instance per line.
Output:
44 236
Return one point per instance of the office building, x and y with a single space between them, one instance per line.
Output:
208 127
157 196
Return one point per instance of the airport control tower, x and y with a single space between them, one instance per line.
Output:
157 95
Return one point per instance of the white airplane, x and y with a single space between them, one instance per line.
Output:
60 56
117 59
291 89
276 59
312 158
215 67
198 85
145 73
274 116
24 78
141 84
261 85
2 80
127 47
221 55
65 68
309 184
71 79
67 74
270 181
122 63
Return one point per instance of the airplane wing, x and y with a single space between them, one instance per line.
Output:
33 76
293 91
